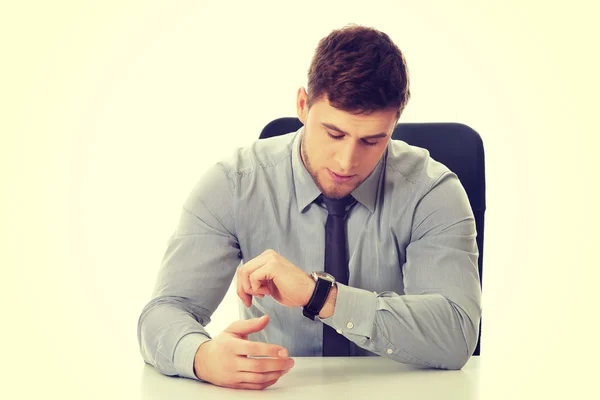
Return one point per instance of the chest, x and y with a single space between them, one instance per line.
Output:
375 249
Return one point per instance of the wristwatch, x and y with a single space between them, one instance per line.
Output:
324 284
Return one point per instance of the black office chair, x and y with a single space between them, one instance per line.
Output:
457 146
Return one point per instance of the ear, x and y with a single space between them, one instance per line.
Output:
301 105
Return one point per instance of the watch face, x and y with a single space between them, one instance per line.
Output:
324 275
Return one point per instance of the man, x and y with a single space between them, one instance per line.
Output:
390 227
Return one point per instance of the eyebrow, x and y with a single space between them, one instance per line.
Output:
335 128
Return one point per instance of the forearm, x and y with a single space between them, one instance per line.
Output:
169 336
427 330
197 268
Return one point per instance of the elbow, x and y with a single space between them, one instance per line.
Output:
460 348
451 358
463 340
165 368
454 356
456 361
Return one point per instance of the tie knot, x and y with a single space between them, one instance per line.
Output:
337 206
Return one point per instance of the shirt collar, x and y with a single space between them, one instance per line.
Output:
366 192
307 191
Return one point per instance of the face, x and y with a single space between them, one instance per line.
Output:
339 149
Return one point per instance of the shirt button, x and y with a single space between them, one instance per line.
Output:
338 331
390 351
349 325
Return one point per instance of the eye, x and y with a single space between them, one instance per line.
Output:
342 136
334 137
369 143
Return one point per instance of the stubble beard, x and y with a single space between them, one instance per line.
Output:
334 191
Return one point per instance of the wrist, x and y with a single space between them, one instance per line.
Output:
200 360
329 307
310 288
320 295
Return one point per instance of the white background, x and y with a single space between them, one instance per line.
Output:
110 112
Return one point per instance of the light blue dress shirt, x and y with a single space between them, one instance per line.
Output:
413 294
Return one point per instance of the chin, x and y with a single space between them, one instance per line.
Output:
333 189
336 190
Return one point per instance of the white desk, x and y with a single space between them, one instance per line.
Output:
321 378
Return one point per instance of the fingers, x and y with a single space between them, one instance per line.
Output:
260 373
253 377
263 291
241 292
259 349
264 365
256 279
248 326
244 286
251 275
255 386
239 363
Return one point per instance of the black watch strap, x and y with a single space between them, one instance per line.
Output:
318 299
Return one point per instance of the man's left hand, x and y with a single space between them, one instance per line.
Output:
271 274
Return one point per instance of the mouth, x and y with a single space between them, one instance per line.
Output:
339 178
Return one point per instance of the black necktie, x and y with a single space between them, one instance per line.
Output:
336 264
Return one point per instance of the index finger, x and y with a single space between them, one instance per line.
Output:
264 365
260 349
242 293
243 275
255 263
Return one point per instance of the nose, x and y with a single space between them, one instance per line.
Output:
347 156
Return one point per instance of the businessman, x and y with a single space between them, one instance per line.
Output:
342 241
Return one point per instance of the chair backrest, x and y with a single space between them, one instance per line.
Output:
455 145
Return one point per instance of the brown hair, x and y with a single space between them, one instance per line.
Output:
359 70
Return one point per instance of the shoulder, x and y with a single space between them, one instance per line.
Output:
221 183
424 185
260 155
413 166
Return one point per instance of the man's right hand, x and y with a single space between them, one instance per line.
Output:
224 361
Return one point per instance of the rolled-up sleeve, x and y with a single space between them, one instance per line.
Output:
435 322
197 269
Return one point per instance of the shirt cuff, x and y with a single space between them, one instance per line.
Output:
354 312
185 353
